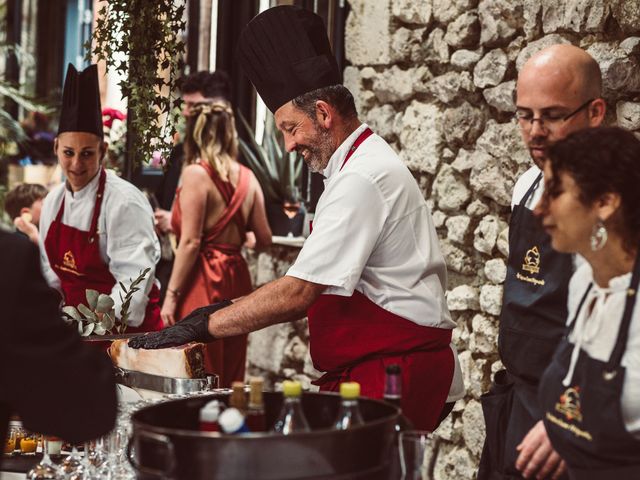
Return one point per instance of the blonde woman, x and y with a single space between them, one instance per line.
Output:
218 201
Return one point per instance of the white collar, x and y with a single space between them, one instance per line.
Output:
337 159
87 191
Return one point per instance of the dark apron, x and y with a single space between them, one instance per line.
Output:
584 421
532 323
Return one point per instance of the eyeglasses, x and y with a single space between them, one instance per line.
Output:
548 121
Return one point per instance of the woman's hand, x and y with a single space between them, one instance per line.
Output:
537 456
168 311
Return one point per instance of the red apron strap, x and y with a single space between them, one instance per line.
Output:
233 197
361 138
93 229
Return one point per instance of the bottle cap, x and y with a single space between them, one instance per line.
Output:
210 412
350 390
291 388
232 421
256 381
393 369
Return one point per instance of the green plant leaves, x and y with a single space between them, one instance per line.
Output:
149 32
104 304
72 312
92 298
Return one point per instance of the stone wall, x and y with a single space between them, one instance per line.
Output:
436 79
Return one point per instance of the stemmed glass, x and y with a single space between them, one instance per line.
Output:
45 469
72 465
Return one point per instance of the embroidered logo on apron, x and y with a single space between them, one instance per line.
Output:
569 407
569 404
69 264
531 265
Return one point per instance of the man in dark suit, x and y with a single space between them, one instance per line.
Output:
55 383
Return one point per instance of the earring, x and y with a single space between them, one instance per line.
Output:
599 236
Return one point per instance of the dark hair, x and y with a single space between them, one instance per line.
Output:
337 96
209 84
23 196
603 160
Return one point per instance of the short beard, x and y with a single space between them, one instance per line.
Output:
320 150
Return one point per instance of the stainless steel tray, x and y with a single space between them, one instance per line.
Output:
158 383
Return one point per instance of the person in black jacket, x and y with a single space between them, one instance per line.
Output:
55 383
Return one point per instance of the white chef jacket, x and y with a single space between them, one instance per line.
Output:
596 331
373 232
127 239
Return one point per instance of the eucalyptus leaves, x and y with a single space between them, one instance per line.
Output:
141 40
98 316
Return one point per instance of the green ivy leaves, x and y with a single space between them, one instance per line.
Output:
148 33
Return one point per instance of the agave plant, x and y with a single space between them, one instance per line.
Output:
278 171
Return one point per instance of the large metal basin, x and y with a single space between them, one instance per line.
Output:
167 444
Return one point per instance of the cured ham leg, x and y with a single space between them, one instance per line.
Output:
185 361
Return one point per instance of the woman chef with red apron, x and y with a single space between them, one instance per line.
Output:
96 229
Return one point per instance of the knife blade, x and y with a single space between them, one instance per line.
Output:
109 338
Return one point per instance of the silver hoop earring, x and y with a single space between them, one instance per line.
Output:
599 236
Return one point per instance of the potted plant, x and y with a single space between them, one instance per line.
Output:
280 175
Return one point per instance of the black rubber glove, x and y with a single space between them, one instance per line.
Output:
192 328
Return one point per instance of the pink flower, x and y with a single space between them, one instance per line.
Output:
111 114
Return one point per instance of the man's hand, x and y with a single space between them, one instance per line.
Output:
537 456
163 220
192 328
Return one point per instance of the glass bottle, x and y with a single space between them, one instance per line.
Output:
291 418
393 394
349 413
256 420
238 399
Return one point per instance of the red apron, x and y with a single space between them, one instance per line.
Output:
74 255
352 338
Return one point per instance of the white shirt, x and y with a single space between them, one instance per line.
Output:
127 239
373 232
520 190
596 332
522 186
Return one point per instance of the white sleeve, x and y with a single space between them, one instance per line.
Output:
132 246
346 228
46 217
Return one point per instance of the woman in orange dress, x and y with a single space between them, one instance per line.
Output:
218 201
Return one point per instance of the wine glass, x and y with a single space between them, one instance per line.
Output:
45 469
71 465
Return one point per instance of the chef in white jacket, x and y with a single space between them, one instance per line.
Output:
96 229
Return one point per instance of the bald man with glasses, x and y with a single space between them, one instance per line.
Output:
558 92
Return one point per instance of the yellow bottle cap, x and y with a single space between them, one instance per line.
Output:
350 390
291 388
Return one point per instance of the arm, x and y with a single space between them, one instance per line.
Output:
57 384
193 204
283 300
280 301
46 217
131 246
257 221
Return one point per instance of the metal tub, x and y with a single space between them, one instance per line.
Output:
166 443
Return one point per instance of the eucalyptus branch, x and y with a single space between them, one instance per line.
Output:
126 300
